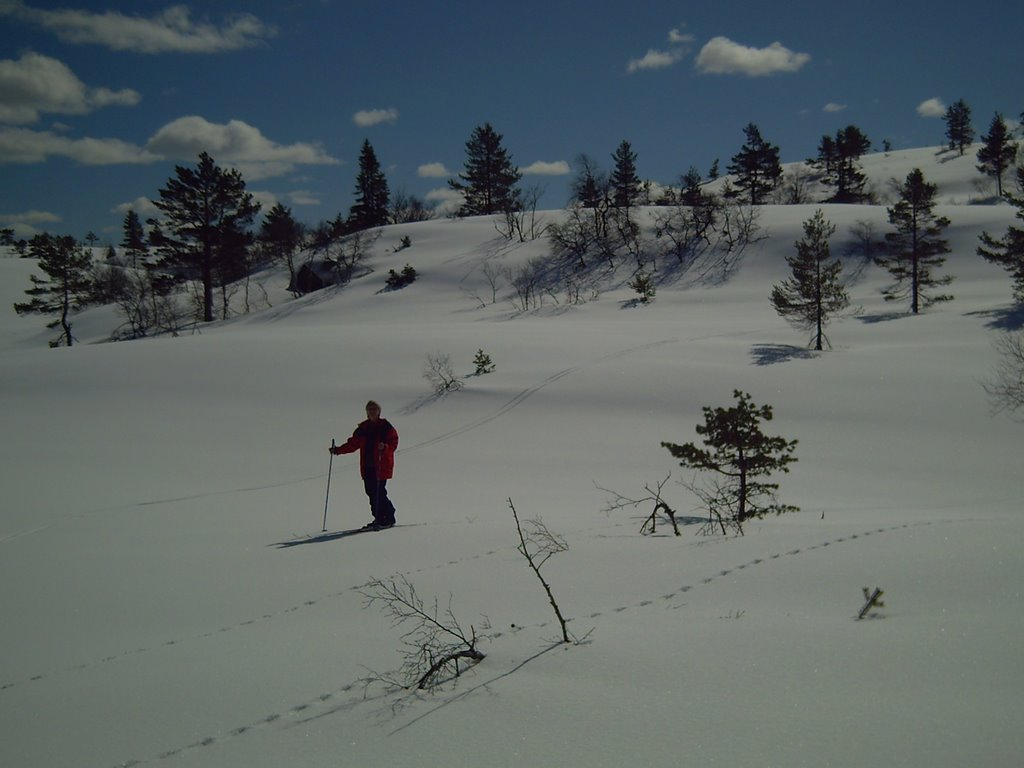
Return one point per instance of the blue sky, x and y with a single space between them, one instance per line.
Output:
100 100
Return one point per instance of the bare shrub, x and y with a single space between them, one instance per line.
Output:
1006 387
653 497
439 372
522 224
150 306
436 646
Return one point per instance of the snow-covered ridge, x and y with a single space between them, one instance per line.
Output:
162 605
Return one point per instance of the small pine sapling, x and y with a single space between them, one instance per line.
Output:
643 284
737 455
483 363
398 280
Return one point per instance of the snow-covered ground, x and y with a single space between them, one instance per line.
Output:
162 605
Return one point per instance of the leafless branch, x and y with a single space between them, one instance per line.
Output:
436 644
537 545
653 495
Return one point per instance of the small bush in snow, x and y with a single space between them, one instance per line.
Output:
439 372
397 280
483 363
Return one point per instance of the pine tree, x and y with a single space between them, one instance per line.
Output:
739 453
281 235
590 187
814 292
998 152
67 265
756 166
692 192
134 240
625 184
958 126
915 248
488 184
483 362
839 159
1008 251
644 285
372 194
207 214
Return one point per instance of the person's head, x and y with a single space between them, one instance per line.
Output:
373 410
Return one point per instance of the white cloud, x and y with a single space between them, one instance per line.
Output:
143 207
678 37
931 108
171 30
654 59
365 118
30 217
722 56
433 171
235 143
23 145
24 224
37 84
445 200
658 59
303 197
833 107
541 168
265 198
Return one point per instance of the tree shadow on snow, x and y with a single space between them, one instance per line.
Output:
1009 318
770 354
882 317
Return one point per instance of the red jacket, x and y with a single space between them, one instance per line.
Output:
367 439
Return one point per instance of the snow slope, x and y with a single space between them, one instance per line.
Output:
163 605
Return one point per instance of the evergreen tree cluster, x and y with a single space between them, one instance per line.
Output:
958 126
488 184
1008 251
838 158
206 231
756 166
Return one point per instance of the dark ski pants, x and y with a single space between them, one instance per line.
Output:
380 505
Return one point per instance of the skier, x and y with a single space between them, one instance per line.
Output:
376 440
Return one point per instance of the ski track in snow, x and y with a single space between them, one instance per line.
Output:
345 697
510 405
530 391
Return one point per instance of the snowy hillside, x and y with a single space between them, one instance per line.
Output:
166 600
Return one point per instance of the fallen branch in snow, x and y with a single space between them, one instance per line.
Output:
650 523
436 643
872 600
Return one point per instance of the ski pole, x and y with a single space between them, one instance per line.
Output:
330 467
